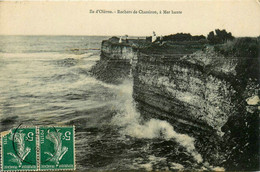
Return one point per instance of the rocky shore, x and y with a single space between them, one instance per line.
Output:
207 91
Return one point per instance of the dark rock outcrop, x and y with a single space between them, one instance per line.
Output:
116 61
208 92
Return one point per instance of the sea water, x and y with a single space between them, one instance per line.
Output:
45 80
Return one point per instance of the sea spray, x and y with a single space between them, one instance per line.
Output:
129 119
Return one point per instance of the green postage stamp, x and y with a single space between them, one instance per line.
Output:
38 148
56 148
19 149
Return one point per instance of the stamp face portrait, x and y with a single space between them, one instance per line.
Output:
56 148
19 150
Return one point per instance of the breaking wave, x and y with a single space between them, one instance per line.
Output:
129 119
132 125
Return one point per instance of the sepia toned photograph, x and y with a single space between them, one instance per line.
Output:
129 85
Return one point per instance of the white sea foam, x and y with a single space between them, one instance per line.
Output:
129 120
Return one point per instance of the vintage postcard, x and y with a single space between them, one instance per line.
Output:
129 85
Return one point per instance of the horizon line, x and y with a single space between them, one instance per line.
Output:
67 35
110 35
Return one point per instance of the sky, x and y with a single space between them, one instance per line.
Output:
241 17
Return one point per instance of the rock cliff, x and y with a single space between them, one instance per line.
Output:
207 91
203 92
115 62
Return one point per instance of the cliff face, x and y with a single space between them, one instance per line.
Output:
116 61
202 93
192 89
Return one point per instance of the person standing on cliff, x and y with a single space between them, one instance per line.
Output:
154 37
120 39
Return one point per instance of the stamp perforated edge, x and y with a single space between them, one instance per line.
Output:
1 152
37 148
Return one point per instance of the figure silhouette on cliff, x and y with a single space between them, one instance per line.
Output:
154 37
